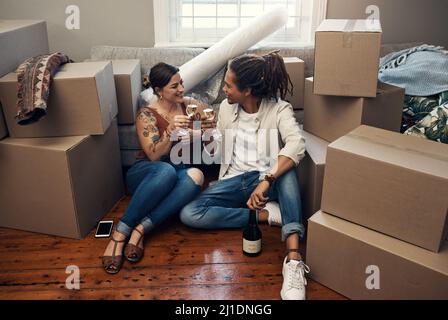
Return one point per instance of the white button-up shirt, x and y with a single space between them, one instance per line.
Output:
278 132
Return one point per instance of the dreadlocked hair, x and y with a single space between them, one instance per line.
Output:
265 75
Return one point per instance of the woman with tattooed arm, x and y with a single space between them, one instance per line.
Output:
159 188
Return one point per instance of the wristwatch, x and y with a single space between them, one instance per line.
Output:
269 177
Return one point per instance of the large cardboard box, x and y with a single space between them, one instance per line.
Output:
360 263
330 117
20 40
296 71
59 186
3 129
82 102
389 182
128 86
346 57
311 174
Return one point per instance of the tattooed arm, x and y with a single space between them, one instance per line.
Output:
154 145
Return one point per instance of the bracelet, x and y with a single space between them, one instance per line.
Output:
270 178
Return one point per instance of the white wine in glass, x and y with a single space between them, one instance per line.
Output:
191 110
209 114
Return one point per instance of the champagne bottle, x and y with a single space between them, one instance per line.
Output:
252 236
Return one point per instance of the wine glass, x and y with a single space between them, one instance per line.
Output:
190 109
210 115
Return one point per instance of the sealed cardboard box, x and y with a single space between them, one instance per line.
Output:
331 117
20 40
346 57
128 86
82 101
360 263
311 174
3 129
296 71
59 186
389 182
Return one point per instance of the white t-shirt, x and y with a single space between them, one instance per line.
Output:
245 156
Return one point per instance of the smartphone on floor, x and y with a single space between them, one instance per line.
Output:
104 229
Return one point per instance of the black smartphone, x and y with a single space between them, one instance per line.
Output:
104 229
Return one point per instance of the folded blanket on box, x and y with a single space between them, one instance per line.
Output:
34 76
421 71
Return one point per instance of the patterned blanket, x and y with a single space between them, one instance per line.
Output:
426 117
34 76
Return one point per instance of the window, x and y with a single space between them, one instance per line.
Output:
204 22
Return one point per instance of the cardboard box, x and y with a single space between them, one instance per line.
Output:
350 259
3 129
20 40
296 71
128 86
346 57
330 117
82 102
311 174
389 182
59 186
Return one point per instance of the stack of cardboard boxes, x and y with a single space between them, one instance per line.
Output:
343 94
381 231
62 174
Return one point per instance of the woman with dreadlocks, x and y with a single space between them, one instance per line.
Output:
254 172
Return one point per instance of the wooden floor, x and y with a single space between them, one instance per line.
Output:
179 263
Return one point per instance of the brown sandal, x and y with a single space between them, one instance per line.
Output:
112 264
132 251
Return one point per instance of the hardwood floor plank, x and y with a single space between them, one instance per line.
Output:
154 256
141 276
251 291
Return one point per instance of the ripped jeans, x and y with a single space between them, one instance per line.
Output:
223 205
159 189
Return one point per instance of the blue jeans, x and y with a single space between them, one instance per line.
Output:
159 189
223 205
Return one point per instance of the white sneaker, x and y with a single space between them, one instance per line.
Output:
294 281
274 214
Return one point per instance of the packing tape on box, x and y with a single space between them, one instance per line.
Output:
347 34
233 45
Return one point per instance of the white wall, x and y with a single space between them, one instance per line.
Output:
130 23
401 20
108 22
